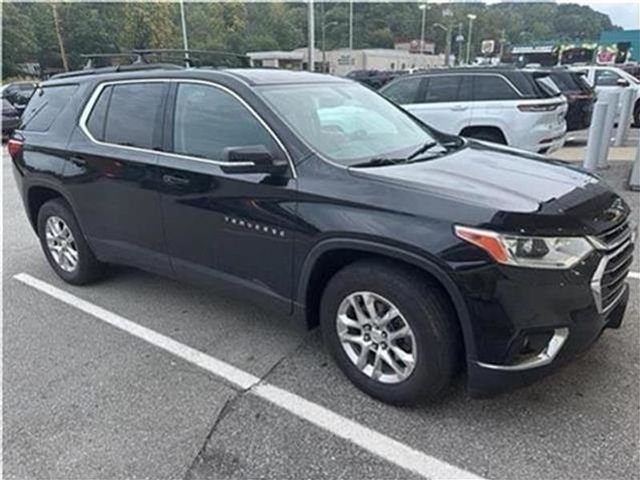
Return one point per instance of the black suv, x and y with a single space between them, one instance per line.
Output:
581 97
418 253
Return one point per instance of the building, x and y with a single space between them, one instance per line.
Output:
342 61
624 42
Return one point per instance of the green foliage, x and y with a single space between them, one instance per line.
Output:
101 27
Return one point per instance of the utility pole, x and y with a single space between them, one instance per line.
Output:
56 22
312 38
185 43
422 7
350 33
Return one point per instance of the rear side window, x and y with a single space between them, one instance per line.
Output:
403 91
442 88
492 87
134 114
208 119
96 121
45 105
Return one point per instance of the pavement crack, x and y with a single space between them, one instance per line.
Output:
224 411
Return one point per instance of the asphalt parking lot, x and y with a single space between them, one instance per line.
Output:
82 399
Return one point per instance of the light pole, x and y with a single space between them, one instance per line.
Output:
422 7
323 29
459 39
185 44
447 48
312 38
471 18
350 33
447 14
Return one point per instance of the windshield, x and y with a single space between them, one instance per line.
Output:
346 122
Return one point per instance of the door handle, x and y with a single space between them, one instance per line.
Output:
175 180
459 108
79 161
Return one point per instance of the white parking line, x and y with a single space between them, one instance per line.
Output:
635 275
381 445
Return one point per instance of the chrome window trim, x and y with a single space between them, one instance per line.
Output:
86 111
545 357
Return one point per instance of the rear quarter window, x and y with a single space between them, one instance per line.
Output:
45 105
492 87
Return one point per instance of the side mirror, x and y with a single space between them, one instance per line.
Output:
622 82
251 159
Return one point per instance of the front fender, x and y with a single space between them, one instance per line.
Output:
396 253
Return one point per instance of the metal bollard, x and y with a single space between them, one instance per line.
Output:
610 119
624 120
594 141
634 180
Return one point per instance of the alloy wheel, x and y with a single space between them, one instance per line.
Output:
376 337
61 244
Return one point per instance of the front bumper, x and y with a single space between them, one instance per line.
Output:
580 333
527 322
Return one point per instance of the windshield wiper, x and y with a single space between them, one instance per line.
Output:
379 162
422 149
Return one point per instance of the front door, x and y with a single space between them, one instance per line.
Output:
226 230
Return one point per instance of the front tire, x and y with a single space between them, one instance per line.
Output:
64 244
391 331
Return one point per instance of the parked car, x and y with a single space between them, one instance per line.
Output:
417 252
18 94
10 118
608 78
580 97
522 109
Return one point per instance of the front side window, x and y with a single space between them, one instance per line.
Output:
442 88
607 78
403 92
207 120
492 87
346 122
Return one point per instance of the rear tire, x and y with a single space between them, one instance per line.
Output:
424 308
64 244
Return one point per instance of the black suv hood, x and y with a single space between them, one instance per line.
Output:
524 191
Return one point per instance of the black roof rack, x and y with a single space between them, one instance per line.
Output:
140 60
117 68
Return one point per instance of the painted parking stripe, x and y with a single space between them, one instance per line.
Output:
381 445
635 275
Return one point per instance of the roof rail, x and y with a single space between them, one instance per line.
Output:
117 68
140 60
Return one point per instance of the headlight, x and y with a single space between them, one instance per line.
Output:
532 252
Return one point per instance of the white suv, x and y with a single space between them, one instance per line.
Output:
523 109
605 79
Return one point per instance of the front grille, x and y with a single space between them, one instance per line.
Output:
608 282
613 237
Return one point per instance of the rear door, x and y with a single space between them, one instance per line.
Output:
111 172
444 102
494 102
225 230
